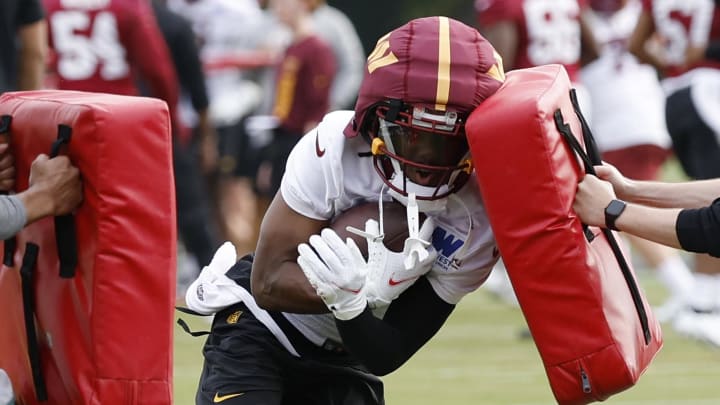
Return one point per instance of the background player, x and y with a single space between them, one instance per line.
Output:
685 32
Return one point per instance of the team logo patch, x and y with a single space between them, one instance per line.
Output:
233 318
380 57
446 245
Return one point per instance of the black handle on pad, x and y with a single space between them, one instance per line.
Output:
65 235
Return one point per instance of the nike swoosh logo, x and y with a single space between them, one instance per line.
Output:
318 151
221 398
350 290
394 282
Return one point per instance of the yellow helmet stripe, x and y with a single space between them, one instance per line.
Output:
443 84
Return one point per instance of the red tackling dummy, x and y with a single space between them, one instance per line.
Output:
104 333
572 292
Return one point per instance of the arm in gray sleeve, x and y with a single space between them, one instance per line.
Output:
12 216
339 32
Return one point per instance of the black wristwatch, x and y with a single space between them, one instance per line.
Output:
612 212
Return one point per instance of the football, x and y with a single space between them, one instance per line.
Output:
394 224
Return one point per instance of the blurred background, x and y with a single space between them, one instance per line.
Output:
375 18
228 70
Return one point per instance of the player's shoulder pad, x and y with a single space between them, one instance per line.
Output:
335 122
329 135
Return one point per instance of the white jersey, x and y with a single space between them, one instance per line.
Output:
628 103
328 173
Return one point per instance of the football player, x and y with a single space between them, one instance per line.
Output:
113 46
308 319
530 33
101 45
688 32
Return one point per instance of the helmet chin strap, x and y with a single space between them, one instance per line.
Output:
414 207
424 206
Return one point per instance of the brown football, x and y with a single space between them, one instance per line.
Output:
394 224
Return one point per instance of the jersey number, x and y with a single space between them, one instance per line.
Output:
80 54
553 31
682 23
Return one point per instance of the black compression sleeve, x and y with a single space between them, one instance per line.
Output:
698 230
385 344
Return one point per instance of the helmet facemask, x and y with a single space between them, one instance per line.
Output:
419 150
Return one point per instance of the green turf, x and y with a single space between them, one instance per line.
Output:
479 358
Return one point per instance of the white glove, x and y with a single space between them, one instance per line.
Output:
336 270
213 290
391 273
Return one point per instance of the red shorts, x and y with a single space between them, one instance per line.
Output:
640 162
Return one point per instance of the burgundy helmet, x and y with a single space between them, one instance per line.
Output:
421 83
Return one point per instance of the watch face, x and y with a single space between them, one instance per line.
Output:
615 207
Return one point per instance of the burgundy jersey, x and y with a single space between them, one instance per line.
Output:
681 23
302 94
107 45
548 30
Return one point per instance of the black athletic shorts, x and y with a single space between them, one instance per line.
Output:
276 153
246 364
238 157
695 144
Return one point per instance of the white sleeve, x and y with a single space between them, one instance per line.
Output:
313 174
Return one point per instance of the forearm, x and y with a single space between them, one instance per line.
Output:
504 37
380 347
589 46
287 290
12 216
655 224
644 30
693 194
189 69
645 57
205 126
278 283
32 71
383 345
33 54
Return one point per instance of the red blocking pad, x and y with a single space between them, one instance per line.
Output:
572 292
105 334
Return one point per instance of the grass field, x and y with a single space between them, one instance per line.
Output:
479 358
